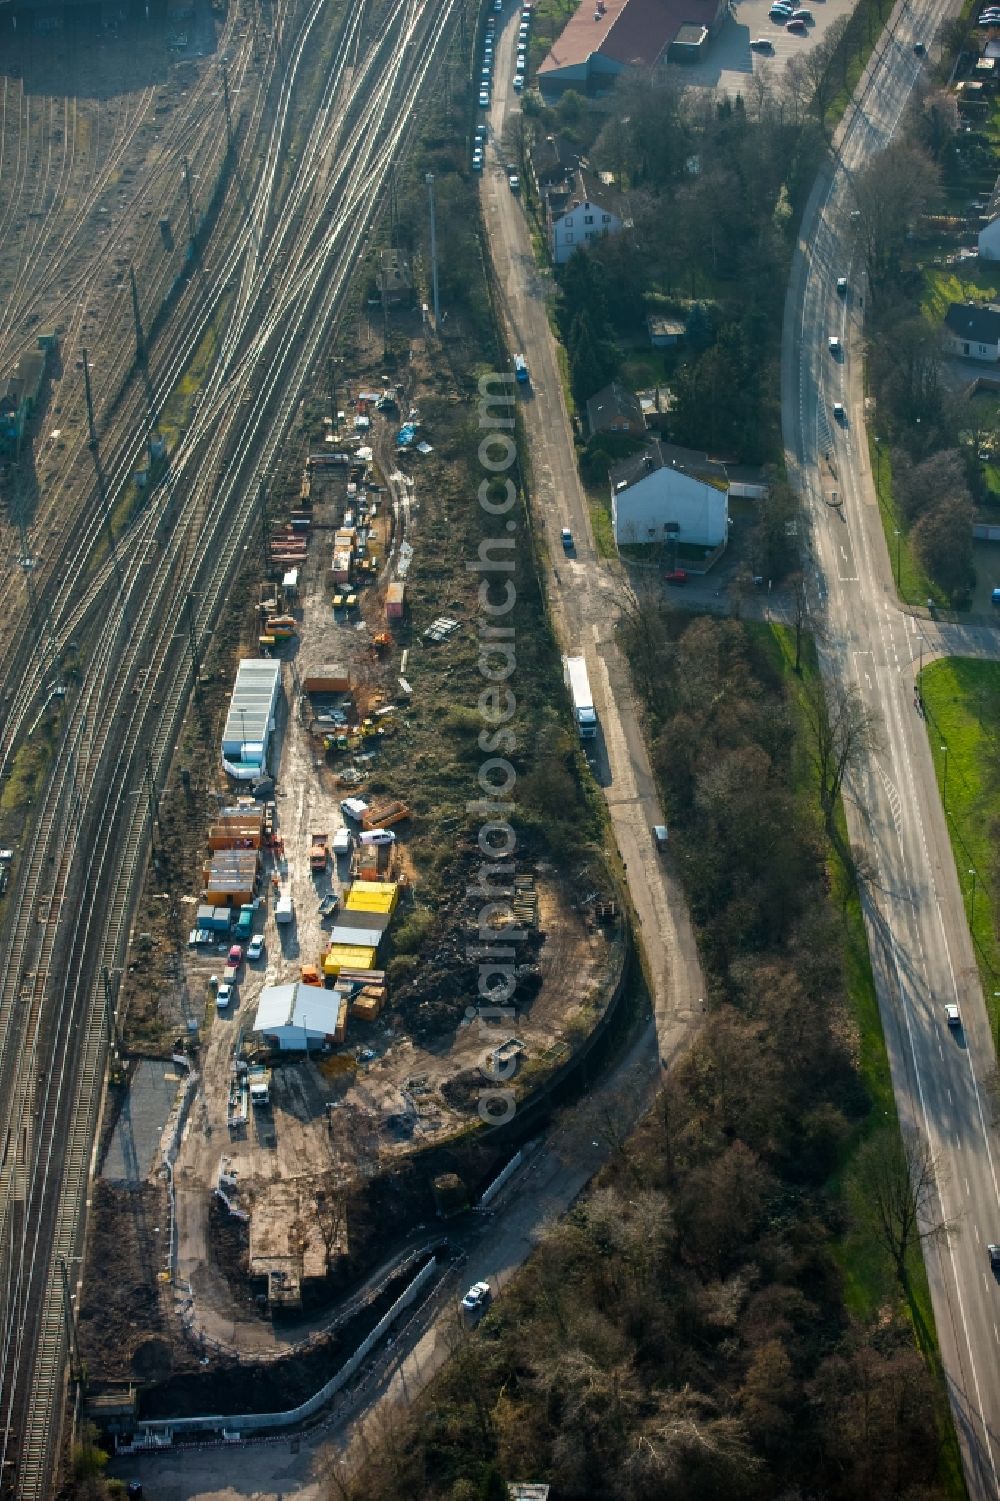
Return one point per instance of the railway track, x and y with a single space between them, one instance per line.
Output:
109 729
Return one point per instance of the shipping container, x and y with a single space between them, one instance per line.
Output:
395 600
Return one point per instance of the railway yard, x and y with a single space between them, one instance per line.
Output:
182 217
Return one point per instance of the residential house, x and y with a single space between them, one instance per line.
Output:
670 494
989 235
616 410
604 38
577 214
972 330
664 333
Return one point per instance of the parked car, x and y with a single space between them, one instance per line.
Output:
255 948
952 1015
802 15
223 996
236 954
660 836
799 27
993 1251
477 161
762 44
518 82
484 98
920 49
513 182
675 576
567 539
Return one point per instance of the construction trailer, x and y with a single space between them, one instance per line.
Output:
251 719
299 1017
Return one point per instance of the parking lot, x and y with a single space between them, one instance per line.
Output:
730 62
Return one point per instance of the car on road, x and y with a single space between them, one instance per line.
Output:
952 1015
675 576
567 539
839 415
841 286
475 1303
920 49
834 345
513 182
993 1252
798 27
498 5
762 44
236 954
223 996
660 836
255 948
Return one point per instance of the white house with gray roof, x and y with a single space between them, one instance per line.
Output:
972 331
665 494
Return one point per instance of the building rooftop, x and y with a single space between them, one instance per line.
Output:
978 322
657 455
632 32
616 403
311 1007
252 703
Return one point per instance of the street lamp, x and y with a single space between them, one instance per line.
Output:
898 543
878 466
944 783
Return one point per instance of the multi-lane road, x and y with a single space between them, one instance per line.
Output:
920 944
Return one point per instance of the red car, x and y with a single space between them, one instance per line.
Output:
236 955
675 576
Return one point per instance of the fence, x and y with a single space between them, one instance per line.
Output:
160 1432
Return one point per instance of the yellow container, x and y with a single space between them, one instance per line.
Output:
346 956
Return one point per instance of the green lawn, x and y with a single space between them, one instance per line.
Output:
947 284
963 713
914 585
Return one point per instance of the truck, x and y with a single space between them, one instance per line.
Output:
521 369
244 923
259 1079
284 911
575 674
319 851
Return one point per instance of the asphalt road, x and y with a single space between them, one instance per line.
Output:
920 944
585 590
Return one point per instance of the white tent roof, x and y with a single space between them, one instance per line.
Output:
310 1007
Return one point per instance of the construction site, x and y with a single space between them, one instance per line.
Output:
328 1101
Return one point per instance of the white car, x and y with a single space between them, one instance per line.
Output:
255 948
952 1015
762 44
513 182
484 98
223 996
834 344
476 1301
518 82
839 414
841 286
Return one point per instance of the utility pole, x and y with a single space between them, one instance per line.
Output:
110 1017
90 401
226 106
193 641
262 503
75 1367
331 366
154 801
429 179
140 342
190 205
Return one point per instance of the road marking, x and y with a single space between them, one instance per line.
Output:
968 1191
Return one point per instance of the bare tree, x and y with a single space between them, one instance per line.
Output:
890 193
900 1183
844 731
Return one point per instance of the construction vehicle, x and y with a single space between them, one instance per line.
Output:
319 851
259 1080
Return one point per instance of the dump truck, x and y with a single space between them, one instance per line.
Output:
319 851
575 673
259 1079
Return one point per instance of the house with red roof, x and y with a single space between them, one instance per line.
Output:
605 38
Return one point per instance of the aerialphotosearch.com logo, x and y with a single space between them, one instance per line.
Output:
496 952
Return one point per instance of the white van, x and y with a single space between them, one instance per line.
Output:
377 836
341 842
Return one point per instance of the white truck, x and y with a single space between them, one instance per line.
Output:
284 911
575 673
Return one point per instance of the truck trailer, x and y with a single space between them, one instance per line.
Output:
575 673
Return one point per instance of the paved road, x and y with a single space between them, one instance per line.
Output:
921 949
585 590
